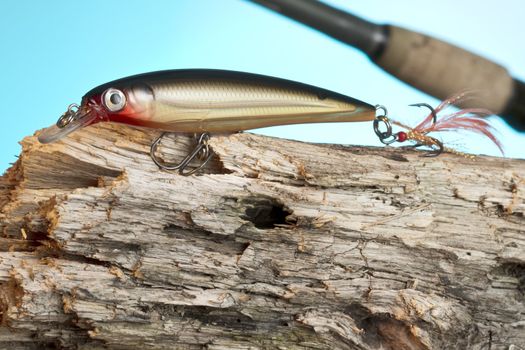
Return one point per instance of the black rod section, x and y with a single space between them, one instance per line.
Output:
352 30
514 113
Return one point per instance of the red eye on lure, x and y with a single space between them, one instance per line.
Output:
204 101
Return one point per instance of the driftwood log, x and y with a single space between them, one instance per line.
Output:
278 245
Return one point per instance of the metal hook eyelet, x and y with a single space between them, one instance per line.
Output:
201 151
385 137
70 115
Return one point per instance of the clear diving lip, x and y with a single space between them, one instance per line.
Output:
54 132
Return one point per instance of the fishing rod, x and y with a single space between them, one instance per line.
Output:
428 64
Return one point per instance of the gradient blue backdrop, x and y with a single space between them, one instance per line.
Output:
52 52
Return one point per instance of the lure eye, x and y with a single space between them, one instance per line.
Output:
114 100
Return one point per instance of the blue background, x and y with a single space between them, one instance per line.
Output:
52 52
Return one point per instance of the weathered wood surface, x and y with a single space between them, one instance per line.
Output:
283 245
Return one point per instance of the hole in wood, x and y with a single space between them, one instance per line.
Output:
516 270
266 212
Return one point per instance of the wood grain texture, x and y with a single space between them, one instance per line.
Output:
280 245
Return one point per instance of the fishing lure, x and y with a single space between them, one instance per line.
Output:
202 101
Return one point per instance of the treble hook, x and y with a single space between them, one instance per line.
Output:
201 151
432 110
387 137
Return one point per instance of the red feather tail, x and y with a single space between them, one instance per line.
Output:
469 119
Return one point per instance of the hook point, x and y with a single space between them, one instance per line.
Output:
432 111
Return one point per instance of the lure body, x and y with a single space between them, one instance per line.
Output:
216 101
